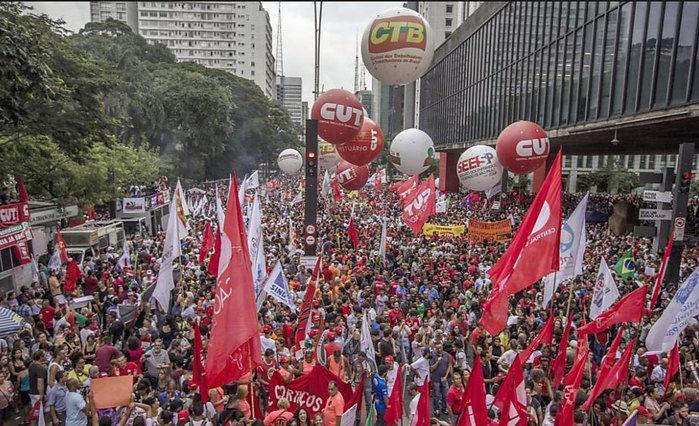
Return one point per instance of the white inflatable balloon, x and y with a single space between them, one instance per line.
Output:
478 168
328 157
397 46
412 152
290 161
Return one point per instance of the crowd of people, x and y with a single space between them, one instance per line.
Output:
422 302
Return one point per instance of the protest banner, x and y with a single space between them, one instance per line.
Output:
309 391
112 391
500 230
430 229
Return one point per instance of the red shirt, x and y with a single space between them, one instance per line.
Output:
47 314
454 397
130 369
394 316
103 357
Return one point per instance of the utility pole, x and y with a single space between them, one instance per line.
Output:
683 180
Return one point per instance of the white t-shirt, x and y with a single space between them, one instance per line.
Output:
422 370
267 343
413 409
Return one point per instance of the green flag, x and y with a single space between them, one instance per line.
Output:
626 266
371 416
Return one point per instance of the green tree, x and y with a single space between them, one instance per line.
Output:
611 175
49 88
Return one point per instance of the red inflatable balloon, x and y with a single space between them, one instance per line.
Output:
351 177
339 114
364 147
522 147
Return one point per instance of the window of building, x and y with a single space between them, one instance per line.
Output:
579 161
450 8
653 31
447 22
644 162
567 161
639 25
651 162
588 162
620 59
685 41
667 40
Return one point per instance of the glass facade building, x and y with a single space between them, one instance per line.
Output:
560 64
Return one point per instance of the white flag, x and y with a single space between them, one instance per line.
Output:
679 314
253 181
297 199
125 259
572 251
55 261
490 193
181 211
171 246
326 189
165 284
203 201
382 244
41 421
255 245
241 193
366 344
35 270
605 292
277 286
442 205
220 215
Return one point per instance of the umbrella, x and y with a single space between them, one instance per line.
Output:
10 322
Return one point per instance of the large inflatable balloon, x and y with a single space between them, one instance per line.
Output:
397 46
290 161
522 147
351 177
364 147
327 155
412 152
478 168
340 116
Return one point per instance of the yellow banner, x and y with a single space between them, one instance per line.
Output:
430 229
500 230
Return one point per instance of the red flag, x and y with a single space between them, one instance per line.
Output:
571 385
420 206
661 274
545 335
673 366
394 410
198 377
336 190
207 242
73 274
305 312
61 247
559 364
353 233
473 407
628 309
234 348
610 356
215 256
616 376
511 399
22 191
536 245
423 405
407 188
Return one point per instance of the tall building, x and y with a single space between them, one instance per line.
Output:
289 97
587 72
124 11
366 98
445 16
232 36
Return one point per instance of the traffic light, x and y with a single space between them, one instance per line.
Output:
685 182
312 159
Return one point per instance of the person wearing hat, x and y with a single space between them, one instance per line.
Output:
620 411
266 340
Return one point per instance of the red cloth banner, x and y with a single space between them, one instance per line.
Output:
420 206
309 391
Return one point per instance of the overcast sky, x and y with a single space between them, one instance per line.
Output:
342 22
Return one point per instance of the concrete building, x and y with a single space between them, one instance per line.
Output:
445 16
289 96
124 11
367 100
587 72
232 36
